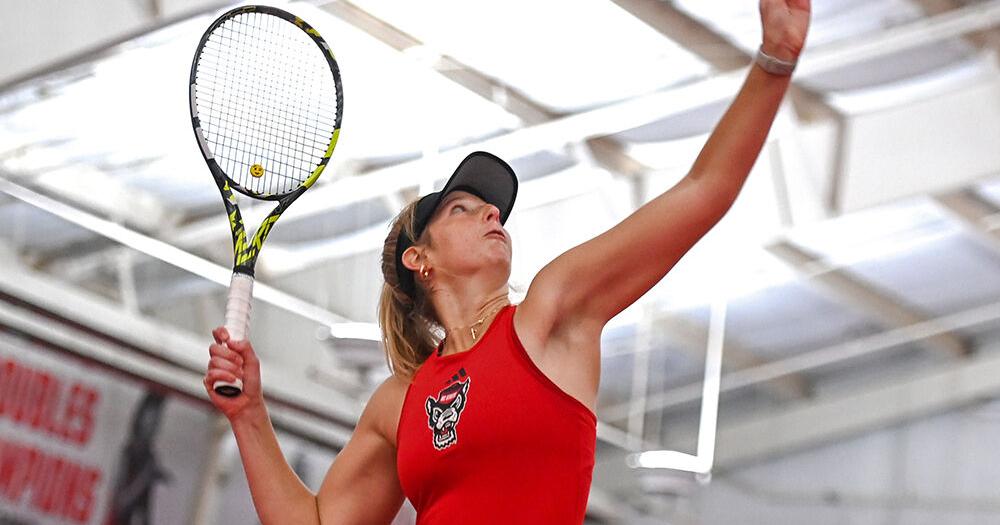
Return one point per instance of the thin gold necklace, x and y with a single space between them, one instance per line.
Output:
472 327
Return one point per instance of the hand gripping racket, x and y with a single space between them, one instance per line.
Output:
266 106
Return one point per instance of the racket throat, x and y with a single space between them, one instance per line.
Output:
245 251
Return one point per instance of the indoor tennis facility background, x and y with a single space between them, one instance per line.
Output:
859 268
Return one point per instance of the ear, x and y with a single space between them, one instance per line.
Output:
412 258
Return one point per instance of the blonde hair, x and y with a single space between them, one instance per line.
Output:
410 329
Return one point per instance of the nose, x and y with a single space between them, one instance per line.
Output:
491 213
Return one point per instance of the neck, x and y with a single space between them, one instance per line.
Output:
464 326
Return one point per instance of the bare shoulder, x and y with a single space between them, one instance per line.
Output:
385 405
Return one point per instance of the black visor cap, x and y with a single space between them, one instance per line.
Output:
482 174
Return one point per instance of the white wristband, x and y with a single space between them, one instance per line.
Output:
773 65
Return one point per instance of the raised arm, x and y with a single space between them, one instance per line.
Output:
361 486
590 284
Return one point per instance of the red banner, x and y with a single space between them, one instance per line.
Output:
46 483
36 479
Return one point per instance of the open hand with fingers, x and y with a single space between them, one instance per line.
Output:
785 24
231 360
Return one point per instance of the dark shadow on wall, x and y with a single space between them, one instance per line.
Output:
139 471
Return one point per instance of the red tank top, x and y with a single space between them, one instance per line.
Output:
485 437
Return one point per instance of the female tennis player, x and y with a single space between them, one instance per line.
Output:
488 416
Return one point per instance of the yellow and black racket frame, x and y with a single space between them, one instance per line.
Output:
244 252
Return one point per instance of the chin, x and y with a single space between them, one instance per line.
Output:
501 266
501 260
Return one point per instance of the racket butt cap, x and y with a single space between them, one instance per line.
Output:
224 388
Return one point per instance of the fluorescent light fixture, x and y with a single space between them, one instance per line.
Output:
350 330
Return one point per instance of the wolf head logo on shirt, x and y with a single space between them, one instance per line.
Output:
443 413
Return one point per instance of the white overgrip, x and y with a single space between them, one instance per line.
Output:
238 307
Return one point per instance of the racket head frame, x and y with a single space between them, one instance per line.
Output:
245 252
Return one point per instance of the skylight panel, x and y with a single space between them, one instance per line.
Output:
568 55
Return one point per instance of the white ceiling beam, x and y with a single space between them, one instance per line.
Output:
975 214
209 270
845 288
286 415
606 151
840 160
714 48
614 118
821 421
90 43
735 356
77 180
486 87
279 259
339 325
98 330
988 39
936 7
694 36
609 119
949 24
838 353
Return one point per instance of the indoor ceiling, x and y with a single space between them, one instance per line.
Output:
849 258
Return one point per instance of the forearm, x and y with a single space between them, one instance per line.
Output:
733 147
278 494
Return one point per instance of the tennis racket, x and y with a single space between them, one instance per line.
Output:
266 106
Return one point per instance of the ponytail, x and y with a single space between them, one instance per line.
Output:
410 331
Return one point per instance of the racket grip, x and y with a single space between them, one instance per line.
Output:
238 307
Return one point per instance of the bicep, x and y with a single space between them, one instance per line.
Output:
362 485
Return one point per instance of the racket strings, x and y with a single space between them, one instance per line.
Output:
286 78
208 73
284 73
279 130
214 74
257 69
264 93
310 81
